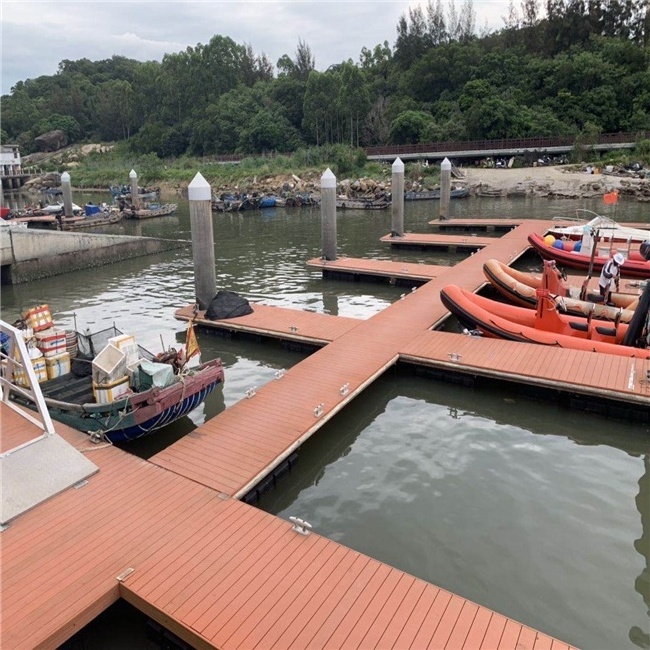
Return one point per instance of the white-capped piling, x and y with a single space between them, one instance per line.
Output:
328 214
66 188
135 195
397 199
205 280
445 188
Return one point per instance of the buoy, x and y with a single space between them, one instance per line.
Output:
558 243
549 239
577 246
568 245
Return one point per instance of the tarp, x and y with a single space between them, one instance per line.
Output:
151 374
227 304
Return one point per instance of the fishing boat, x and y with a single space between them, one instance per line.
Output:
97 392
431 195
520 288
151 210
564 253
546 326
344 203
608 230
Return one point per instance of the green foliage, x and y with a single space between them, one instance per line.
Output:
410 127
642 151
581 68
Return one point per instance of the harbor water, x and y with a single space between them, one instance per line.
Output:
524 506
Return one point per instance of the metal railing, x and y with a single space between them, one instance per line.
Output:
15 356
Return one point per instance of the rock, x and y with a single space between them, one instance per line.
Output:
51 141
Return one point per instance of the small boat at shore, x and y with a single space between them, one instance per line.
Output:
344 203
521 288
432 195
94 389
635 266
151 210
608 230
546 326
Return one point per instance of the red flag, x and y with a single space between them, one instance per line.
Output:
611 197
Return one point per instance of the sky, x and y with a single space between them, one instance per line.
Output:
36 35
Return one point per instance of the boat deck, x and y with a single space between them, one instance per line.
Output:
216 572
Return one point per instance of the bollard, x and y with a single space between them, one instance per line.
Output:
205 281
445 188
328 214
66 188
135 195
397 199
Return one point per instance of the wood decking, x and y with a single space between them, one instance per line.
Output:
216 572
430 241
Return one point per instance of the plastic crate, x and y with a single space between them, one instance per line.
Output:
109 365
21 378
109 392
39 318
126 343
51 342
57 366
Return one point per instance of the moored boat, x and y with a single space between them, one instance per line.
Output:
635 266
430 195
521 289
99 393
546 326
344 203
607 230
151 210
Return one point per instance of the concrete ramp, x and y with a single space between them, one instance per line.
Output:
37 471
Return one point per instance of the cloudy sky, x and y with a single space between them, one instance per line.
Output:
36 36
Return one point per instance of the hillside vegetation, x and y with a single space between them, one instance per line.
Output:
569 67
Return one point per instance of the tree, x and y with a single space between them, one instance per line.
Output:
353 99
409 127
304 62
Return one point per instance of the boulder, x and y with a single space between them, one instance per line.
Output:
51 141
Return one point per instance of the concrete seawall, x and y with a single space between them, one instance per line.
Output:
32 254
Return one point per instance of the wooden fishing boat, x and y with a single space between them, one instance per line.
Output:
546 326
635 266
152 210
432 195
521 288
607 229
361 204
95 221
118 411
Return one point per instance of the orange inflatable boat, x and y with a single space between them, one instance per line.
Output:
521 288
546 326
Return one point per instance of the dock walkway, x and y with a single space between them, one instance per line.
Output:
216 572
171 536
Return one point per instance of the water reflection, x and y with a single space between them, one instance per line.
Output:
471 490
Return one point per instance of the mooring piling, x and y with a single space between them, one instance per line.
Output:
135 196
445 188
328 214
397 199
205 280
66 188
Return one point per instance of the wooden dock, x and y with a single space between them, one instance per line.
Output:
216 572
449 243
172 536
396 273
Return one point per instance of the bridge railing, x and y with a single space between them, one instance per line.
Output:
503 143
